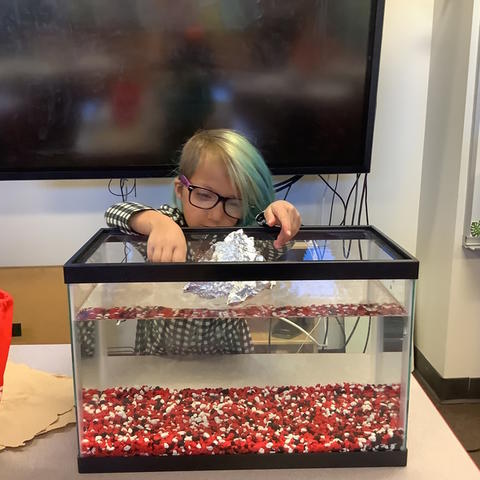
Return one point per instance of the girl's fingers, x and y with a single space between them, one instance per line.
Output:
269 216
179 254
283 219
287 217
156 255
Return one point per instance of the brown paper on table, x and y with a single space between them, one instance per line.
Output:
33 403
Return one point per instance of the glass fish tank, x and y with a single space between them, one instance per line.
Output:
243 356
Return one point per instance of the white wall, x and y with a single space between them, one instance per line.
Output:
448 305
45 222
462 355
394 186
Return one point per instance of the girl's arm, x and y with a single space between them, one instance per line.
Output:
166 242
120 214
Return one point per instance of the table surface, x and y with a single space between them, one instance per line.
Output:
433 450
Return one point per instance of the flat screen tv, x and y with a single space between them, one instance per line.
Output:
113 88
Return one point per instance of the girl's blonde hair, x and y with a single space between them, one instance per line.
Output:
244 163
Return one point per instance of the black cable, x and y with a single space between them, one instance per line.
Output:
110 189
346 254
278 187
123 184
334 191
359 218
319 250
342 328
360 251
356 199
362 198
474 450
288 191
293 178
363 201
348 200
282 184
352 332
368 334
270 335
126 251
366 199
329 217
326 335
333 201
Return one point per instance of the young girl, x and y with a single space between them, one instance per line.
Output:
222 181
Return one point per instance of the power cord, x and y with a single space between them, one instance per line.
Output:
326 334
124 193
368 334
124 190
333 201
298 327
354 188
334 190
346 203
347 341
352 193
311 331
286 184
342 328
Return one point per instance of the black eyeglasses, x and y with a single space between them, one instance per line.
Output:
206 199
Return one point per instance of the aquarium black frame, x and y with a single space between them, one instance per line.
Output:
247 461
403 267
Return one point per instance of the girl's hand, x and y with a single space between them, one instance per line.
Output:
166 242
286 216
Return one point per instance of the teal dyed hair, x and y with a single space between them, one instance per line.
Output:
244 163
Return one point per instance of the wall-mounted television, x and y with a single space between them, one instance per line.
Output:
109 89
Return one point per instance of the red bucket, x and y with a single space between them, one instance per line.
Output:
6 315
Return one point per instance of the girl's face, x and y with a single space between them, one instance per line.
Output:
212 175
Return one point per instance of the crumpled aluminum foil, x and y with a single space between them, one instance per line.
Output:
236 247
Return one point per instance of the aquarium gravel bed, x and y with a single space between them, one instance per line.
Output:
323 310
126 421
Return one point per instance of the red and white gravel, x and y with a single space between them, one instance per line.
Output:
265 311
125 421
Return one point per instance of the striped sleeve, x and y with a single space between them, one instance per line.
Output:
118 215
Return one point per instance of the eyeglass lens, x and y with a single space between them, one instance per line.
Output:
206 199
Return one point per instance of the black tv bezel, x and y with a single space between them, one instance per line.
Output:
163 171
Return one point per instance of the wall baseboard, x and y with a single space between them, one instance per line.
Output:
446 389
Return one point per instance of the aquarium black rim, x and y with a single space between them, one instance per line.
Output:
404 266
395 458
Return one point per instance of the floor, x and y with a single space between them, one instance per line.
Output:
463 419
